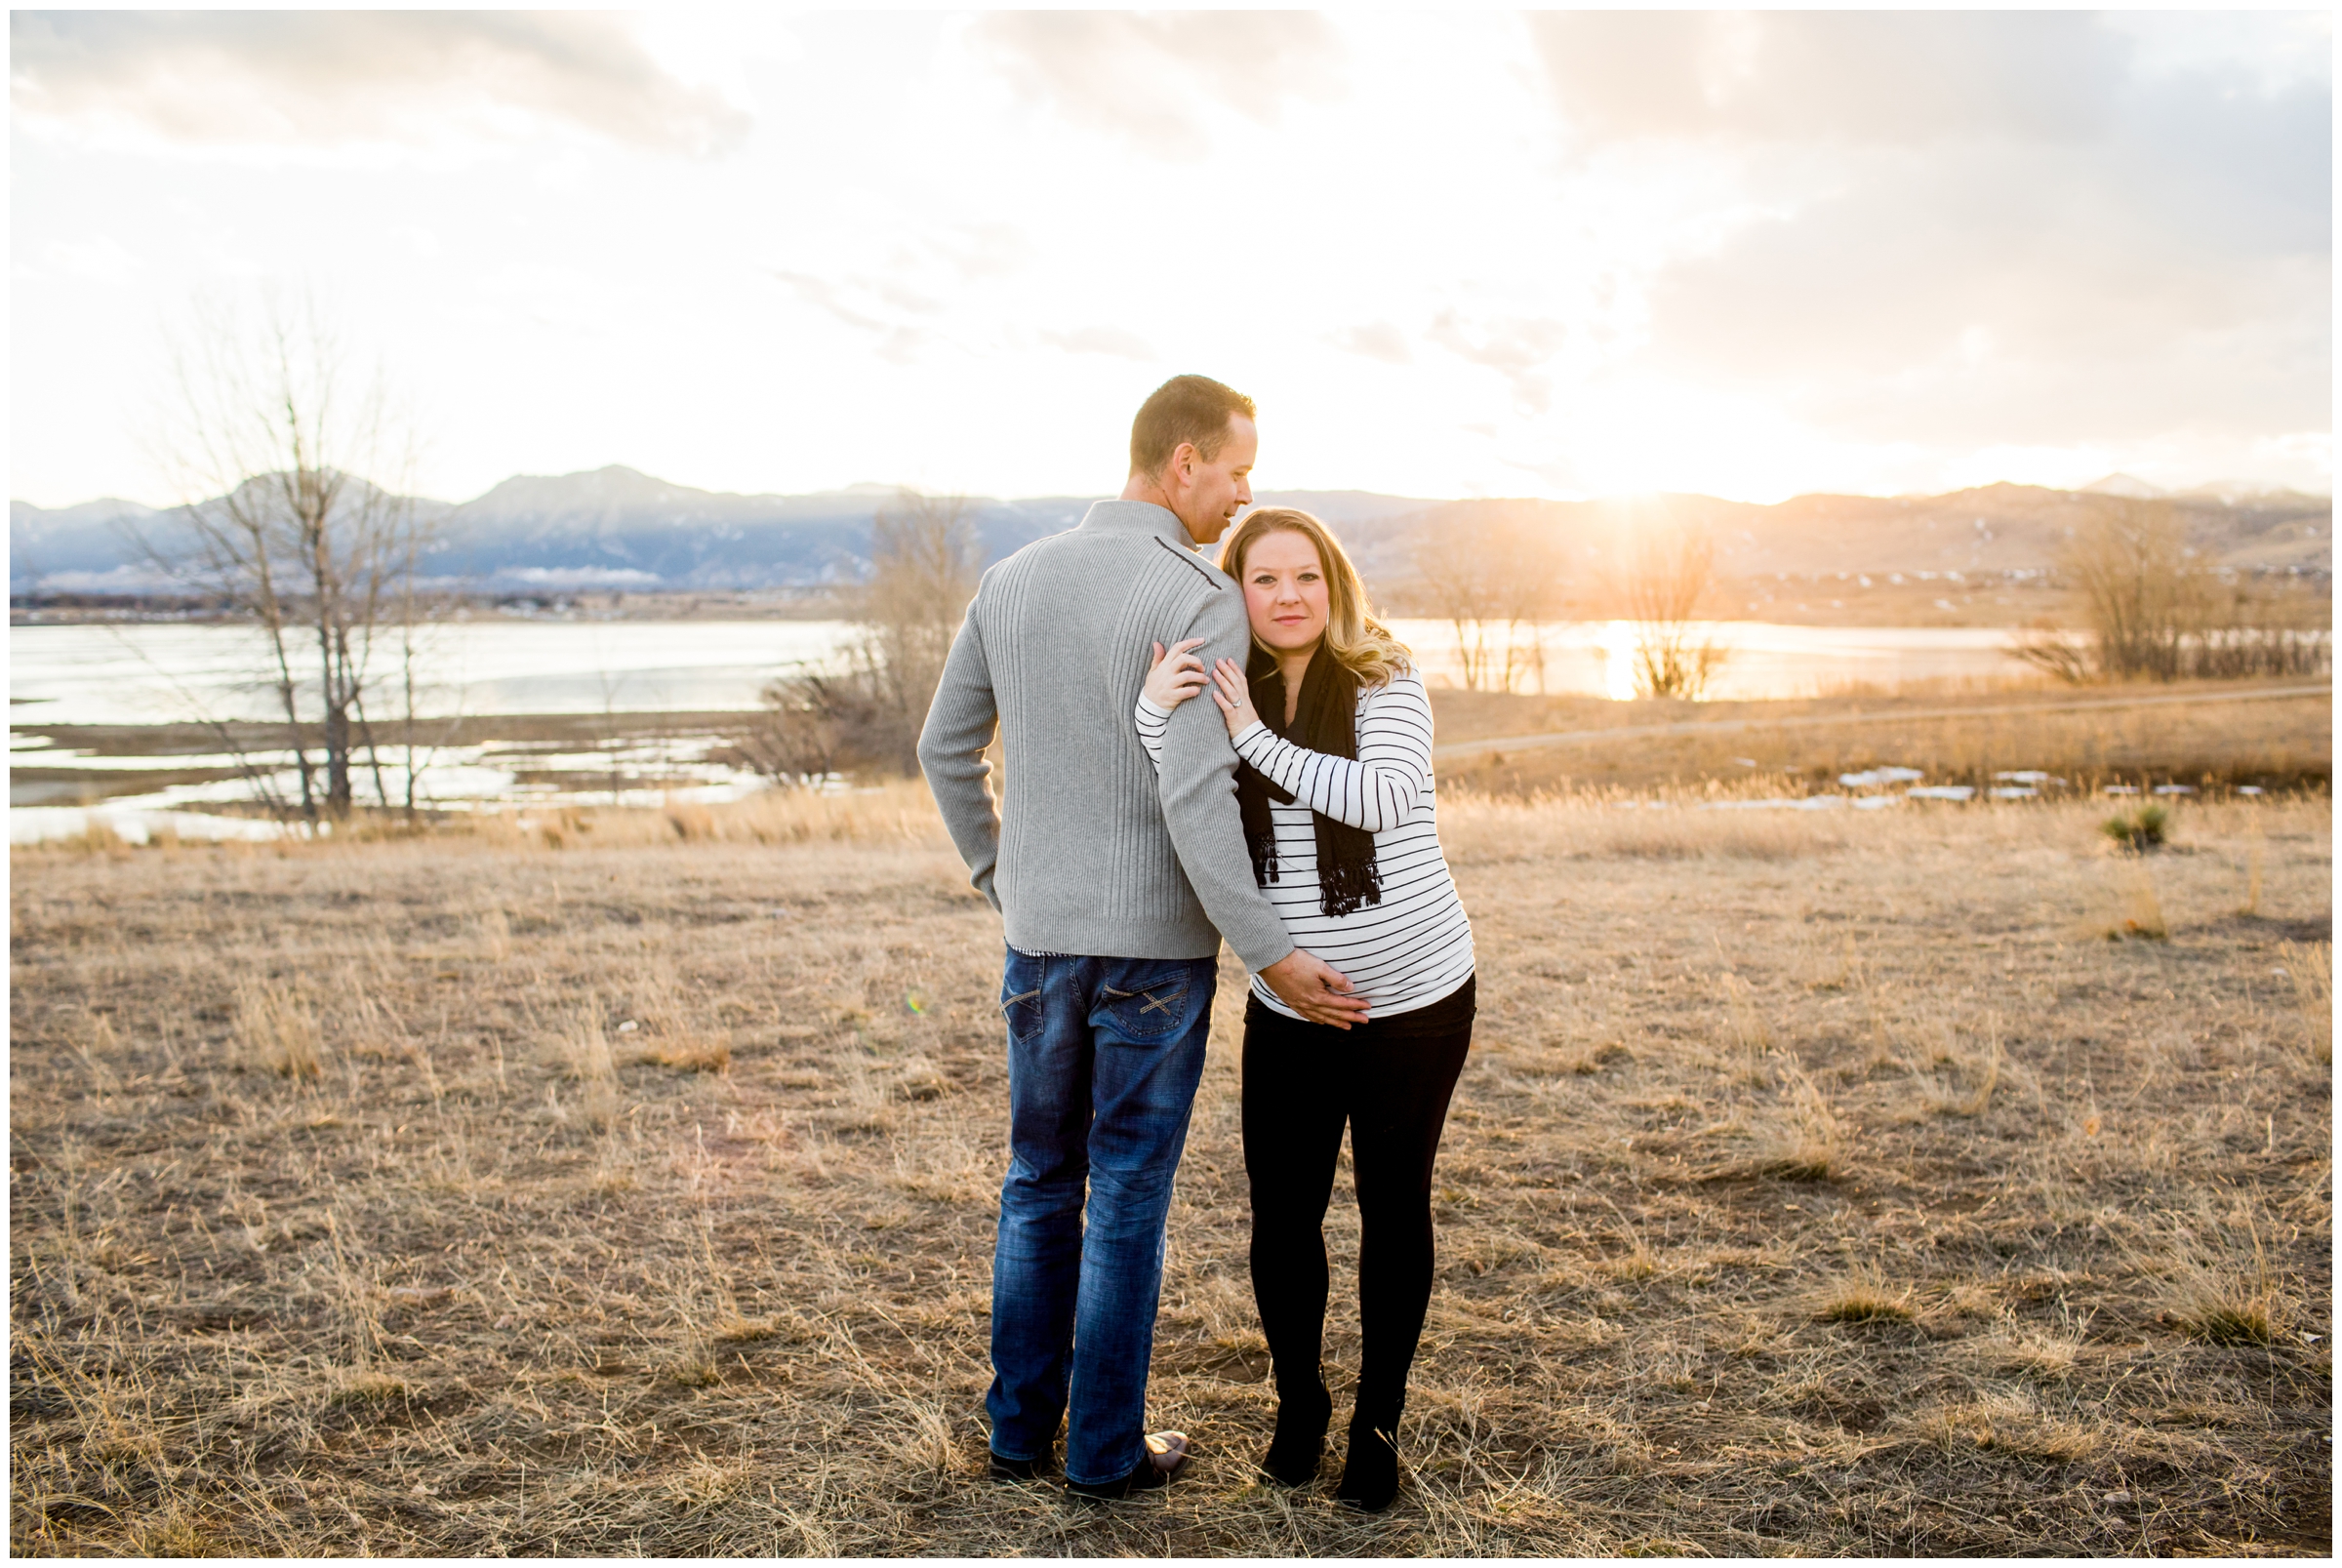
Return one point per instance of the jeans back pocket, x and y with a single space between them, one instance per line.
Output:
1149 1010
1020 982
1023 1014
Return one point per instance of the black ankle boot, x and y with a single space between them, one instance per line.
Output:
1370 1469
1300 1441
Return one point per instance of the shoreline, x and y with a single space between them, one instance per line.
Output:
2205 736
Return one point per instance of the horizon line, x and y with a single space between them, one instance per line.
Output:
2211 487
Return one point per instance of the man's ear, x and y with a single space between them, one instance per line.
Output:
1182 463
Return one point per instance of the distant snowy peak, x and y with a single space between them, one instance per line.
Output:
2240 492
619 528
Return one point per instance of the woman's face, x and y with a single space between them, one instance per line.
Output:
1286 591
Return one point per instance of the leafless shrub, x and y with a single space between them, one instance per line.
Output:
925 558
2054 650
2155 612
809 727
1491 574
1670 566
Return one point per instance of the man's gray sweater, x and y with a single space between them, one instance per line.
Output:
1091 851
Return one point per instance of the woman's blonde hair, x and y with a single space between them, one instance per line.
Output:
1358 642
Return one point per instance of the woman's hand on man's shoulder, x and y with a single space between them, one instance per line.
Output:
1174 675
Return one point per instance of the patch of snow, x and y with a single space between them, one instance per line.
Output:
1941 792
1875 777
33 825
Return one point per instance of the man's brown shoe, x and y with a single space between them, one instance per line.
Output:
1167 1455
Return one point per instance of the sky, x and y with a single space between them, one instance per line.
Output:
1455 254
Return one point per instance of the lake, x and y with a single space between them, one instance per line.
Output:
157 674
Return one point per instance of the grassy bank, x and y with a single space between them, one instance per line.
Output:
2203 734
2206 735
1847 1182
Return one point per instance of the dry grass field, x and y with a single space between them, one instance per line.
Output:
2205 734
1926 1181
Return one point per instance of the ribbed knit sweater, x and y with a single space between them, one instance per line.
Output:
1090 849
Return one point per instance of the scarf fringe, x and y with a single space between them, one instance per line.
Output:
1346 889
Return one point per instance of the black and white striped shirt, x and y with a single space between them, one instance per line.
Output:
1413 947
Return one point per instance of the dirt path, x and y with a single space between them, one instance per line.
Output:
1534 743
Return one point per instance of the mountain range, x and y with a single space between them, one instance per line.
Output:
615 528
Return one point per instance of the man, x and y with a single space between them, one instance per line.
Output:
1114 885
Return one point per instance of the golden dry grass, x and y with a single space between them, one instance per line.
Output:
1819 1183
2212 742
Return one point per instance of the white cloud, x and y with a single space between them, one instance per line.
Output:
201 79
2140 248
1110 341
1450 253
1159 78
1375 340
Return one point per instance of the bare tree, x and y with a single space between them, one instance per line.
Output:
1669 568
280 453
418 608
2131 564
2153 611
1492 578
925 558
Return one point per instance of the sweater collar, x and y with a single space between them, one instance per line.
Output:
1137 517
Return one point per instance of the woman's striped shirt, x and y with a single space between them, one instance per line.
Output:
1413 947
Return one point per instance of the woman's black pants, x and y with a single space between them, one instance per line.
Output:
1390 1081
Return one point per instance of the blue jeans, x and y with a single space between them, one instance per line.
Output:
1104 1056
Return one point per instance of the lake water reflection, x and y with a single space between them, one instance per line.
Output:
150 673
164 674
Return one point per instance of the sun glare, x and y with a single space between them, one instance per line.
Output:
1616 651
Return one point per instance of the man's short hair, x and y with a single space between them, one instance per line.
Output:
1186 408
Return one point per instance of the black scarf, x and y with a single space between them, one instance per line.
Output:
1326 720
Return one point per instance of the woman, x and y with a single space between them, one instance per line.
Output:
1335 787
